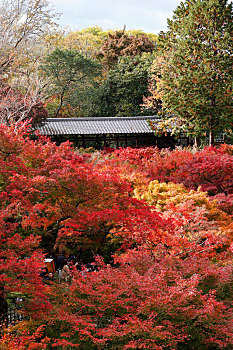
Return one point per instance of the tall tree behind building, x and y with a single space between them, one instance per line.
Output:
193 70
123 43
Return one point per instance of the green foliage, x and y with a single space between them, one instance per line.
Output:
121 94
87 41
193 70
70 73
120 87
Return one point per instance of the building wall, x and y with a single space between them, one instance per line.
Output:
102 141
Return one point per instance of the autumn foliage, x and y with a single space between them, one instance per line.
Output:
121 43
157 226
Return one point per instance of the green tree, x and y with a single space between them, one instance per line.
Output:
87 41
70 73
194 67
121 94
93 42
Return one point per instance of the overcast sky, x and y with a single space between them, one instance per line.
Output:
148 15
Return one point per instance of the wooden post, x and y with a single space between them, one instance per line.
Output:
83 141
126 140
97 141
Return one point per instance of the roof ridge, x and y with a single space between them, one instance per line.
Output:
100 118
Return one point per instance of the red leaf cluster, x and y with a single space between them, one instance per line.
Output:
170 281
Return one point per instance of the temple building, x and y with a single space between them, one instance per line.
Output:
112 132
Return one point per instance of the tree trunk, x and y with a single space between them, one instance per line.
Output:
211 124
211 137
60 105
196 142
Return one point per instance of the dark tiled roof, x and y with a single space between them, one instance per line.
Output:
91 126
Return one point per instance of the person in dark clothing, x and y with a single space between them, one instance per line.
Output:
78 266
60 261
71 257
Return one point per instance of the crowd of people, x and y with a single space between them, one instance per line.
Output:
61 267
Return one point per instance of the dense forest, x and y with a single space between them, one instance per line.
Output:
121 248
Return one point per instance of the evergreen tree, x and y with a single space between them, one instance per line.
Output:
121 93
193 75
69 72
